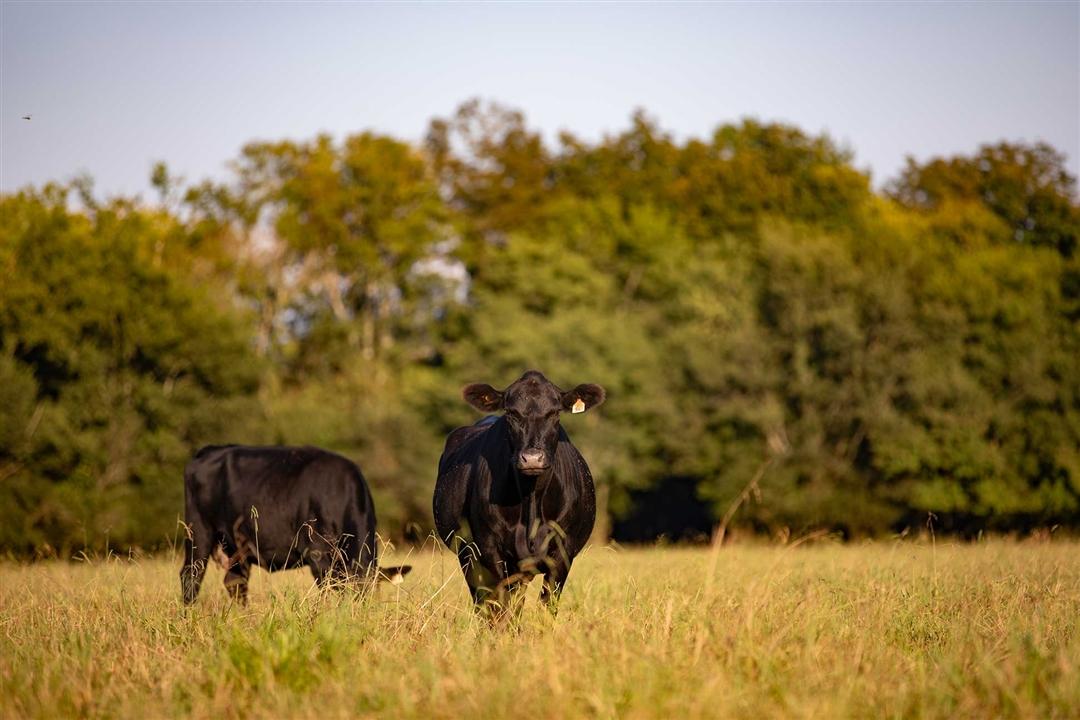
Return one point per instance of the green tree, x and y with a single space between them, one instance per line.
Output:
1026 187
118 367
754 308
355 217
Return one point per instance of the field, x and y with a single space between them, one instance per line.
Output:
900 629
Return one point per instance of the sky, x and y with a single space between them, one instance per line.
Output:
113 87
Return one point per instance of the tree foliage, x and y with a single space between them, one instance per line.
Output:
114 366
753 307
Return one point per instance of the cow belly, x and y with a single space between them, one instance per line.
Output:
277 542
317 542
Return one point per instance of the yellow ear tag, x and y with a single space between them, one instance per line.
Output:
579 406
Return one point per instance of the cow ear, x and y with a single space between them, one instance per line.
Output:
483 397
583 397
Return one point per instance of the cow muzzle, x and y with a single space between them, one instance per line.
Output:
532 462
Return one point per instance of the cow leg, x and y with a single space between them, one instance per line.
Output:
327 571
511 597
499 602
554 582
355 560
319 570
342 562
482 585
236 581
492 596
481 581
497 599
319 561
198 545
334 576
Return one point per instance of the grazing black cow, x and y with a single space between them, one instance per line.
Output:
514 497
279 508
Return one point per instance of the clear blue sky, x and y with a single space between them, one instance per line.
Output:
115 86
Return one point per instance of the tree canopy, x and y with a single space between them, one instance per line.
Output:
754 308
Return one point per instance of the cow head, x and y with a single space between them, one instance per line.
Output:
531 407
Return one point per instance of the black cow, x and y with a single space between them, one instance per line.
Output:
279 508
514 498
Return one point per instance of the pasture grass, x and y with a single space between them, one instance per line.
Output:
900 629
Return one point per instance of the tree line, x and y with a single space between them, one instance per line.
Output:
754 307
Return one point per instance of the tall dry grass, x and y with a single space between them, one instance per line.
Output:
878 630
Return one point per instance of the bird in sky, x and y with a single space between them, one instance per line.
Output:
25 117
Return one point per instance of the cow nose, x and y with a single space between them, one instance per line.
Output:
531 460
